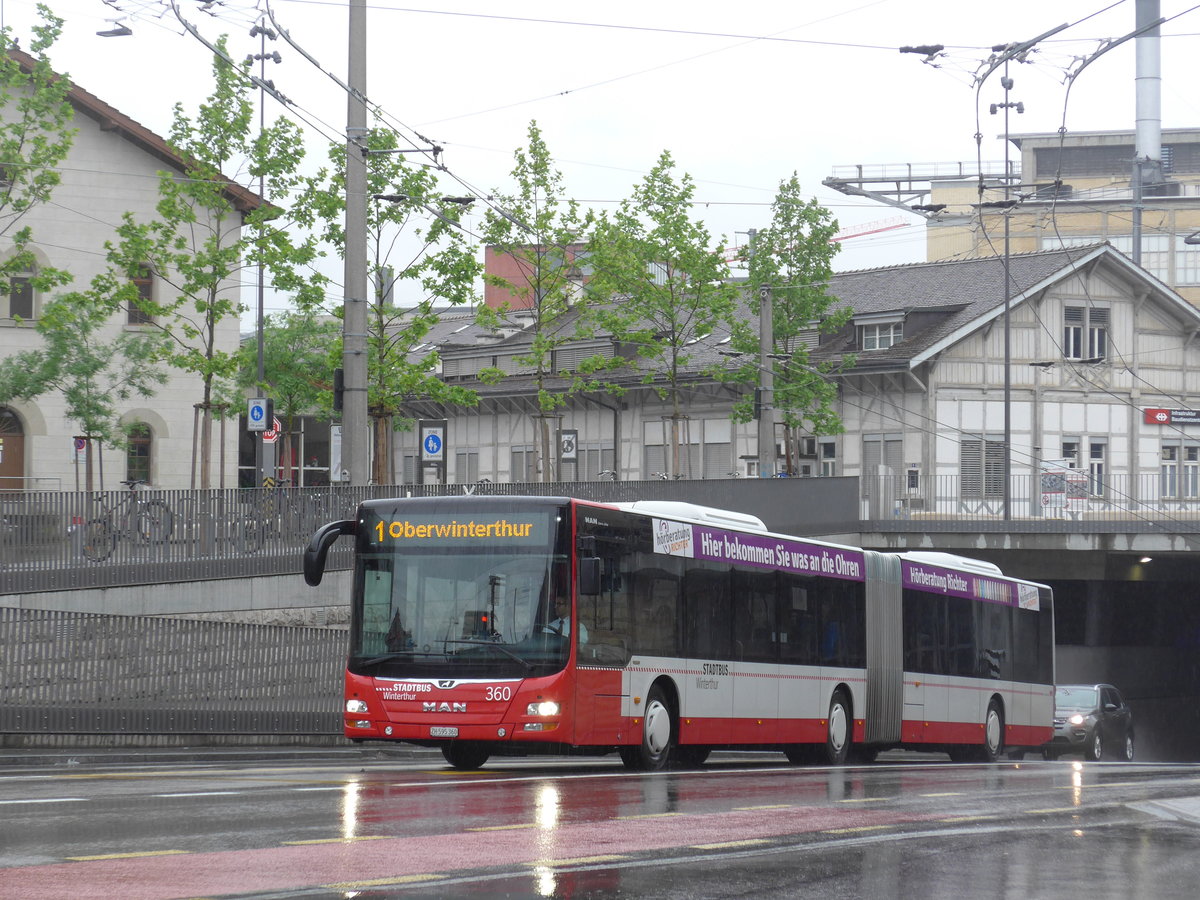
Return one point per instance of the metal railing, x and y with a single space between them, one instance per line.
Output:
1042 502
55 541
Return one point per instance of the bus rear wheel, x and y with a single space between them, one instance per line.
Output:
466 755
658 735
839 734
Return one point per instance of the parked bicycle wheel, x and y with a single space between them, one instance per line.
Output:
155 521
99 539
249 534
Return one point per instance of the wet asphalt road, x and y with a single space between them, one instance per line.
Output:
742 826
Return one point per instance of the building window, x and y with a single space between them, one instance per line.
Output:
828 459
591 461
1085 333
20 297
137 309
1097 451
880 336
1179 471
981 466
466 466
137 454
524 465
886 450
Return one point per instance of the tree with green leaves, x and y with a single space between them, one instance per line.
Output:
300 352
545 236
672 283
421 263
793 259
208 231
35 137
95 375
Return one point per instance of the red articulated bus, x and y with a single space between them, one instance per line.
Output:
662 630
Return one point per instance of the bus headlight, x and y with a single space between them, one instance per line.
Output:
542 708
356 706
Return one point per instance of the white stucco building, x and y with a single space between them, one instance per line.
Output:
112 168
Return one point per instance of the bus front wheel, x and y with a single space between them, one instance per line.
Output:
658 735
838 734
467 755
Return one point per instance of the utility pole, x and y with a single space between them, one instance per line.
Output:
766 376
355 444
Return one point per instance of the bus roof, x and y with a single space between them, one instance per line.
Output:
679 509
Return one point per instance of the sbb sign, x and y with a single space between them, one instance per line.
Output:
1171 416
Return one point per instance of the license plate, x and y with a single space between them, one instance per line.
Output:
443 731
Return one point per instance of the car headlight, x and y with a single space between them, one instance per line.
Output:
356 706
542 708
1077 719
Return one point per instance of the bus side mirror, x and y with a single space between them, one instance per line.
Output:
318 548
589 576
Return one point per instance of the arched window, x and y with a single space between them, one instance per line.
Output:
137 313
137 455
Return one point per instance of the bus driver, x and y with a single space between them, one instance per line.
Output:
562 624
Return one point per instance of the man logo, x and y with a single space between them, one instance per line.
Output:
444 707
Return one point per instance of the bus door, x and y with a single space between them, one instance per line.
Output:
707 691
755 657
924 633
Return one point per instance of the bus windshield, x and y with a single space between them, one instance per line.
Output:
465 596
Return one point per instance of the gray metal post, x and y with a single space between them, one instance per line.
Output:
355 446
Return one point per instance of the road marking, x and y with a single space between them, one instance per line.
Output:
864 800
46 800
341 788
730 844
380 882
647 816
577 861
349 840
968 818
1070 809
503 827
202 794
766 806
135 855
855 829
943 794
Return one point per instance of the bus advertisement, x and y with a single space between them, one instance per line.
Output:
662 630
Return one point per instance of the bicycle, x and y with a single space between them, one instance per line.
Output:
278 511
151 521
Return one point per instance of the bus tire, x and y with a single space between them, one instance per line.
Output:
658 735
993 732
839 732
467 754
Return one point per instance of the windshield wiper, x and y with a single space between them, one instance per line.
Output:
526 663
375 660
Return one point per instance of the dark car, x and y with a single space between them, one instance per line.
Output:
1091 719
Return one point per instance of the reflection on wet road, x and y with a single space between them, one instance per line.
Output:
571 829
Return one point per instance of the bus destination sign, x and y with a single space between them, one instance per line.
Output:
460 531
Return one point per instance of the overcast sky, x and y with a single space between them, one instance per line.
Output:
742 94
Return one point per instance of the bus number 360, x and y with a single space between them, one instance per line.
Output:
497 693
